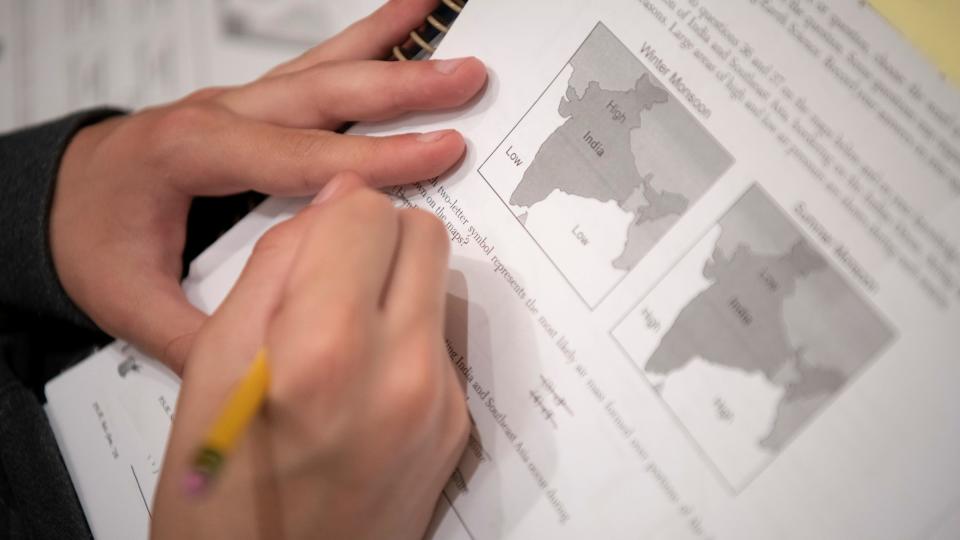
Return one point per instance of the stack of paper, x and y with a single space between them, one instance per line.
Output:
708 275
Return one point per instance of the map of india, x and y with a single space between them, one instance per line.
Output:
604 169
603 165
770 335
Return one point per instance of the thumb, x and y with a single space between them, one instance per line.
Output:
152 313
166 326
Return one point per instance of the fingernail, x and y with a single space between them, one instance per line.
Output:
433 136
447 67
328 191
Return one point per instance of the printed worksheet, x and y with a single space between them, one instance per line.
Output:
708 273
705 273
111 416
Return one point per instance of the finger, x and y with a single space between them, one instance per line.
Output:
330 305
239 155
168 332
368 38
417 292
330 94
204 94
343 261
244 315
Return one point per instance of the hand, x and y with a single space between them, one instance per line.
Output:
365 419
119 213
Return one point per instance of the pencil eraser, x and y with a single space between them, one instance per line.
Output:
194 483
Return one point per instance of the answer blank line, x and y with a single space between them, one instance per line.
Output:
459 517
142 497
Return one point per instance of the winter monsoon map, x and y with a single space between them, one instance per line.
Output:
604 163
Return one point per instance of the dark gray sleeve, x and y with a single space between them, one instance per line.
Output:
37 498
29 162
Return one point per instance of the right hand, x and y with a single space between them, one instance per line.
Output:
365 419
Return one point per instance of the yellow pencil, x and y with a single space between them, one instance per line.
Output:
234 418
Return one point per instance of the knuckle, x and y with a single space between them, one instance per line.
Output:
417 387
345 327
307 146
365 151
178 119
324 360
414 396
306 150
178 128
406 85
203 94
383 149
429 227
338 320
318 75
381 158
274 240
372 207
341 339
284 67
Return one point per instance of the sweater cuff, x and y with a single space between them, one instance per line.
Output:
29 164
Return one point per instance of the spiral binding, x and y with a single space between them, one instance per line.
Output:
423 41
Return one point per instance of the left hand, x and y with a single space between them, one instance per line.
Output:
118 221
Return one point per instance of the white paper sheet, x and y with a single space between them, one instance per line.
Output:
111 416
774 355
121 394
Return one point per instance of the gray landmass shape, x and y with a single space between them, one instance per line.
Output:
788 315
655 206
566 161
590 155
737 321
657 161
804 397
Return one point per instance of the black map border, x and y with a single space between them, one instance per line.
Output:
536 102
718 472
652 74
507 205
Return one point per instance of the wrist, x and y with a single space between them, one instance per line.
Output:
69 203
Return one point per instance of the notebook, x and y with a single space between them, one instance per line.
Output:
705 276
